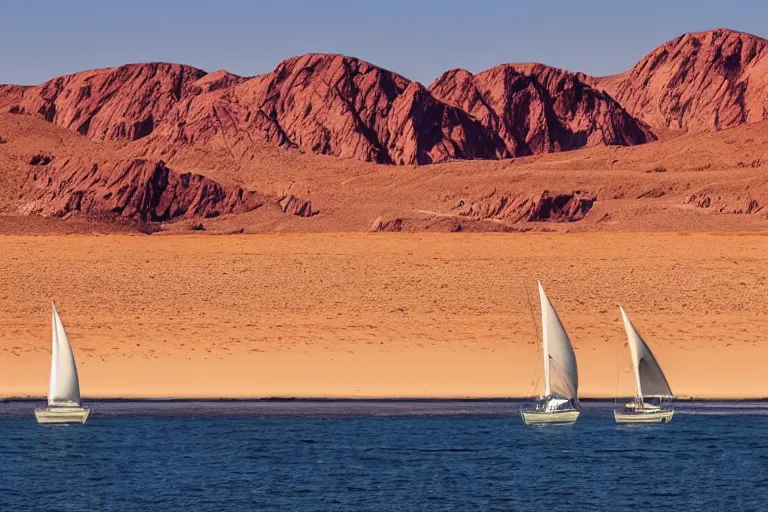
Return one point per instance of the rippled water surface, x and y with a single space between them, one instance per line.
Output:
380 456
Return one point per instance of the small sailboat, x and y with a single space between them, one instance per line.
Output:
64 389
649 382
559 403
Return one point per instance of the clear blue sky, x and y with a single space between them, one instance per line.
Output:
418 38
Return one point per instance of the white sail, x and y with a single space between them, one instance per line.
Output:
64 387
649 379
561 377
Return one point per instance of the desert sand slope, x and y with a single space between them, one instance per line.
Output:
380 314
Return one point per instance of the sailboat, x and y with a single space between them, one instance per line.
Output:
649 382
559 403
64 389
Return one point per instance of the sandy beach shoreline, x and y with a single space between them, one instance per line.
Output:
380 315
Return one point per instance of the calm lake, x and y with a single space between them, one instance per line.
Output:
380 455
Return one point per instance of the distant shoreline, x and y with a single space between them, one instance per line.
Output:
367 400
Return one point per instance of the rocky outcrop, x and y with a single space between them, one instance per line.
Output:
139 190
539 109
729 205
515 207
341 106
125 103
40 159
699 81
327 104
423 130
296 206
345 107
391 225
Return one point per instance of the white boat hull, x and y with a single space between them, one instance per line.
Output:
49 415
566 417
659 416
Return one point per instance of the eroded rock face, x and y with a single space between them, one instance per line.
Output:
727 204
141 190
349 108
539 109
699 81
516 207
125 103
391 225
327 104
341 106
335 105
296 206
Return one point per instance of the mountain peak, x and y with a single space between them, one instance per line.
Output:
340 105
698 81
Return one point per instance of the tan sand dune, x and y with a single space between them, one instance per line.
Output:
373 315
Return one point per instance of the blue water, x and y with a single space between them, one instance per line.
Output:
385 456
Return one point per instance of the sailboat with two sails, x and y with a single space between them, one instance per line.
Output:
650 382
64 387
559 404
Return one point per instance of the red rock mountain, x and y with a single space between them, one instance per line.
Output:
327 104
342 106
159 142
334 105
699 81
124 103
539 109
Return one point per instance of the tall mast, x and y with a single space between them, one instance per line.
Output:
633 350
544 340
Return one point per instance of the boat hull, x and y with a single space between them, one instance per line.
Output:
566 417
50 415
661 416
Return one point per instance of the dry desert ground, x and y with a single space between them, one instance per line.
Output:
380 314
